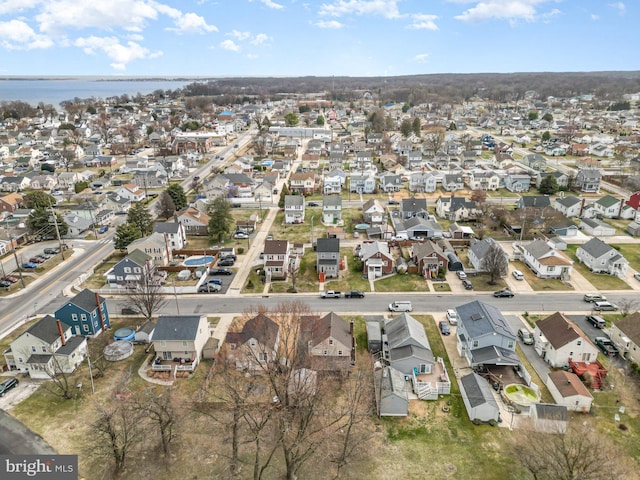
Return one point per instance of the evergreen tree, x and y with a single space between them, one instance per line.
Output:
548 185
416 126
140 217
40 222
406 127
221 219
125 234
178 196
38 199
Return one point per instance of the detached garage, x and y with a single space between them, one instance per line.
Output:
567 389
479 400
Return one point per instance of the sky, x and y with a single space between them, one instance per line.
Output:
316 38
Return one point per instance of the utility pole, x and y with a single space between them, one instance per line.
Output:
15 256
55 222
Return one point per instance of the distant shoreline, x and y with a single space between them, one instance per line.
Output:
89 78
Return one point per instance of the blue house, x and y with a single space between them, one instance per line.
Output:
86 313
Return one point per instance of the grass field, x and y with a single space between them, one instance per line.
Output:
600 281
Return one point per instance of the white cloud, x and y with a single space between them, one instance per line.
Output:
230 45
621 7
120 54
384 8
512 10
192 23
595 17
260 39
15 6
423 21
271 4
331 24
252 56
239 35
17 35
421 57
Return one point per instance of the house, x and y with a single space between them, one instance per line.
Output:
10 203
405 345
45 349
131 192
558 340
332 210
587 180
456 208
77 227
116 203
570 206
517 182
391 183
478 399
66 180
429 258
608 206
328 261
175 235
478 254
452 182
535 202
602 258
376 259
86 313
483 180
256 346
180 338
135 269
565 227
277 257
545 261
293 209
154 245
362 183
238 185
413 207
633 229
562 179
302 183
484 337
373 212
549 418
391 391
332 183
193 221
596 228
14 184
420 182
416 227
328 342
567 389
625 334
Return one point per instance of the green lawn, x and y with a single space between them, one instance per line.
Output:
601 282
540 284
409 282
631 252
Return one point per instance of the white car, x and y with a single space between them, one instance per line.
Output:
452 316
241 235
518 275
461 275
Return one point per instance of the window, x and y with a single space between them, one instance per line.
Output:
252 343
475 343
326 352
184 343
330 341
44 349
339 352
136 270
83 317
510 345
579 342
85 327
74 317
127 269
33 349
570 354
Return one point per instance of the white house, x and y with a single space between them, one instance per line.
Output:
293 209
131 192
545 261
602 258
568 390
557 340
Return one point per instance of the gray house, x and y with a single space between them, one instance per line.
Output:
406 346
478 399
328 261
484 335
480 249
569 206
602 258
588 180
413 207
131 270
332 209
391 390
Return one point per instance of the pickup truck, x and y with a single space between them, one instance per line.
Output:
354 294
607 346
330 294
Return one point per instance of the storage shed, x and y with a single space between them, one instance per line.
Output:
568 390
374 337
145 333
392 398
478 399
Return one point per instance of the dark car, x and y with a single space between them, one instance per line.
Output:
467 284
606 345
7 385
313 204
213 281
596 320
505 292
5 284
221 271
129 311
226 262
393 202
209 288
444 328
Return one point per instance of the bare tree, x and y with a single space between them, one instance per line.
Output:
165 207
260 146
434 138
579 454
160 412
61 383
495 262
146 296
627 305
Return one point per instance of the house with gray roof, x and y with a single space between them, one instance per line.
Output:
133 270
86 313
478 399
391 391
479 251
549 417
587 180
328 342
570 206
483 180
452 182
429 258
484 336
538 202
456 208
181 338
328 257
294 209
176 236
391 183
332 209
406 346
597 228
562 179
517 182
420 182
545 261
78 227
602 258
255 347
413 207
535 161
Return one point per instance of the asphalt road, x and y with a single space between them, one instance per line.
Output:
19 440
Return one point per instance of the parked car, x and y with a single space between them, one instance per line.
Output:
594 297
226 262
43 257
444 328
606 345
452 316
313 204
213 281
36 260
636 276
604 306
240 235
596 320
393 202
29 265
5 284
220 271
9 278
209 288
51 251
505 292
467 284
461 275
7 385
269 237
103 229
526 336
518 275
129 311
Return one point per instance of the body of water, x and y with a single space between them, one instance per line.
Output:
54 91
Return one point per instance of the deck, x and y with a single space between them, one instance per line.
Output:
429 385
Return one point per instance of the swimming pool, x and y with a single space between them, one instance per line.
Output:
197 261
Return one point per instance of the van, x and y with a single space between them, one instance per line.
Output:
602 306
518 275
400 306
594 297
596 320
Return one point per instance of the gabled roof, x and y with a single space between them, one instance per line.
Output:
166 227
46 330
568 384
331 201
262 328
138 257
316 329
328 245
275 247
608 201
425 249
568 201
414 204
538 248
371 203
551 411
559 330
534 201
405 328
176 327
630 326
477 390
480 319
481 247
86 300
596 247
293 201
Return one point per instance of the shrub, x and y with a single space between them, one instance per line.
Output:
240 250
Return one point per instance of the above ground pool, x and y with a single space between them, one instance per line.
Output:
362 226
521 395
197 261
124 333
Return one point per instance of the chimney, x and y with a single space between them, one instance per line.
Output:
61 332
102 324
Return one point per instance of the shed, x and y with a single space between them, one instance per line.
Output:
567 389
392 399
478 399
633 229
549 417
374 337
558 243
211 348
184 275
145 333
455 265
